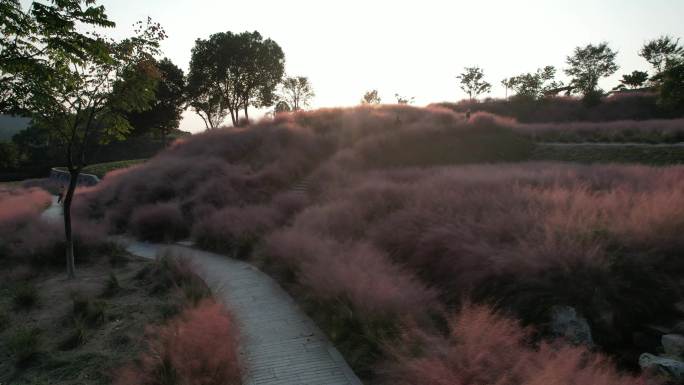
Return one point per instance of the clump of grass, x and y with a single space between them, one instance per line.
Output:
112 286
170 272
78 335
23 344
25 296
92 312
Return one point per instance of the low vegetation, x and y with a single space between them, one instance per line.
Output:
86 330
377 236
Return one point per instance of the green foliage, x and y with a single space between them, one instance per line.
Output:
229 72
661 51
9 155
24 344
672 86
165 111
473 83
587 65
536 85
296 92
371 97
635 80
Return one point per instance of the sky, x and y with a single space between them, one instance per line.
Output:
414 48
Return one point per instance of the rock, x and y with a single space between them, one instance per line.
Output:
565 322
666 366
673 344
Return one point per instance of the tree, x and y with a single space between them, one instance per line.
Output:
165 112
473 83
659 52
508 84
296 92
671 85
79 87
587 65
635 80
371 97
535 85
404 99
229 72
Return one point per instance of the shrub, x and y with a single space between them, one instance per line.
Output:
172 272
159 222
23 344
483 347
199 347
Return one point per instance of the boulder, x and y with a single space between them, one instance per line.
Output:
669 367
673 344
566 323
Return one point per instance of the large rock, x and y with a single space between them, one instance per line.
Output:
669 367
673 344
565 322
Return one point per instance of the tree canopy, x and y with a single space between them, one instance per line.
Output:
296 92
535 85
587 65
165 112
473 83
231 72
661 51
371 97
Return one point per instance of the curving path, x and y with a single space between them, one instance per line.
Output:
281 345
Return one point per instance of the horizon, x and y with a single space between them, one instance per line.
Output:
432 47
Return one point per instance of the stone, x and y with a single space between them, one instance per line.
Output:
673 344
566 323
669 367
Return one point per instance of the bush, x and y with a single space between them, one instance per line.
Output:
199 347
170 272
483 347
159 222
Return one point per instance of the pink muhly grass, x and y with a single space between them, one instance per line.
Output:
484 347
199 347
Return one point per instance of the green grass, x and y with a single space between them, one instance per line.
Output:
100 169
610 153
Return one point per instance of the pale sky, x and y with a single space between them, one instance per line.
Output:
414 48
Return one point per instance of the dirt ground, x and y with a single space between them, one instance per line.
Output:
81 330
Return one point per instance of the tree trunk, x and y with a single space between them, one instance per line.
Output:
246 115
70 265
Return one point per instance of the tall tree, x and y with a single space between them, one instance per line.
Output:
473 83
297 92
587 65
659 52
165 112
79 86
229 72
371 97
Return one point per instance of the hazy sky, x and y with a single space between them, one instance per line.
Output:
415 48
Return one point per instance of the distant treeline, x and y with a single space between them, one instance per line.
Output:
620 106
